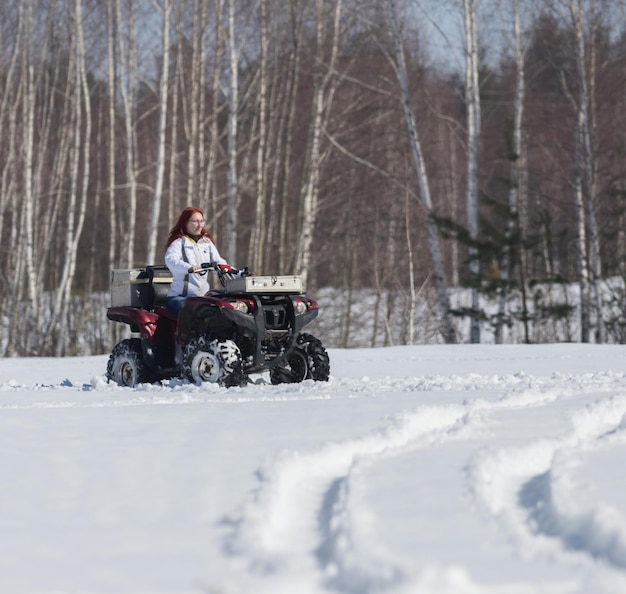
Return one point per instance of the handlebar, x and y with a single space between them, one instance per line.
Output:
215 267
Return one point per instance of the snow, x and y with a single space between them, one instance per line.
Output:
466 469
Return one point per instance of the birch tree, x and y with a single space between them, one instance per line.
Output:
112 142
323 91
423 182
581 231
128 74
160 163
210 184
257 242
78 182
517 166
8 123
233 108
290 115
583 179
586 160
196 102
173 205
11 98
472 111
28 119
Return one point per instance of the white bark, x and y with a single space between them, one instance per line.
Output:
581 235
160 164
195 103
28 116
424 185
322 100
214 141
202 75
293 80
174 206
583 178
128 88
412 291
472 106
8 134
257 241
111 36
517 164
77 199
588 165
233 107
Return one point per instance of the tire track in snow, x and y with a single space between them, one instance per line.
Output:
533 492
303 498
302 519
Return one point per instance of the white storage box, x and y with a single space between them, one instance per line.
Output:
264 284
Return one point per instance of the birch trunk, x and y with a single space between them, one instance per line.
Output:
202 74
257 241
111 45
581 235
8 134
214 141
160 165
278 112
424 185
12 290
292 86
15 331
472 107
194 104
174 203
322 99
516 163
28 119
128 87
78 194
412 291
588 162
233 106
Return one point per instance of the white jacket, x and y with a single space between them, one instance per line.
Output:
180 256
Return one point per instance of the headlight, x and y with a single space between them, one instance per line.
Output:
241 306
301 307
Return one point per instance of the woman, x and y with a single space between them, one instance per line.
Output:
188 246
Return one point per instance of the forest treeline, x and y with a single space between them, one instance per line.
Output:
329 138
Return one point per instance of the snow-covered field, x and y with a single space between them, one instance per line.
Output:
414 470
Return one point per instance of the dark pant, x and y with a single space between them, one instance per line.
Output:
174 303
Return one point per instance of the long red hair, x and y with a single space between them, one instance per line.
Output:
180 228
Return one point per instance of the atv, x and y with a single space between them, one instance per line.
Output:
252 325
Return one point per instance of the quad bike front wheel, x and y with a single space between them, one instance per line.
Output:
126 366
215 361
309 360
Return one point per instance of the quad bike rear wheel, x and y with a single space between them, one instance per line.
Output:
215 361
309 360
126 366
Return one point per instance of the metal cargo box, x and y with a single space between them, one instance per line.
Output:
124 287
139 287
264 284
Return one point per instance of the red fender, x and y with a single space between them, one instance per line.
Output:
140 320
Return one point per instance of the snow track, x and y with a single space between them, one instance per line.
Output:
314 497
305 498
535 490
